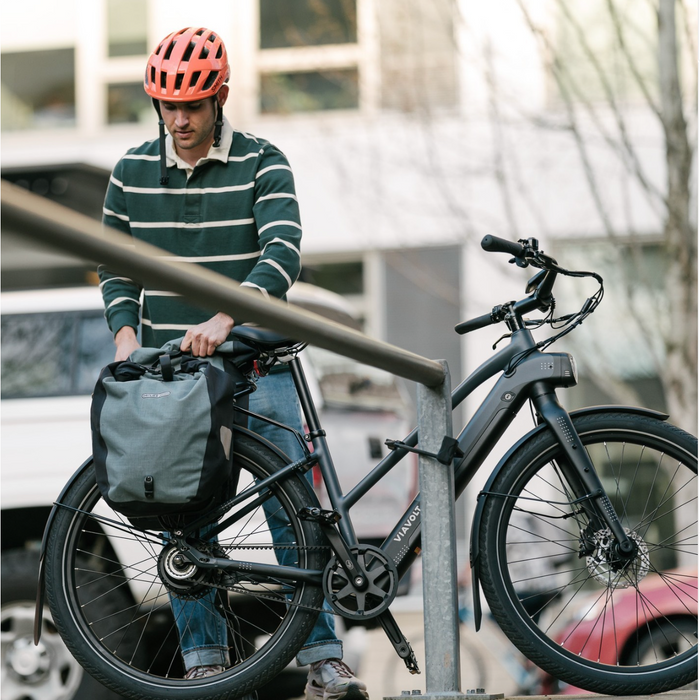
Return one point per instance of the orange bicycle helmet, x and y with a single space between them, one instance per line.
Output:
186 66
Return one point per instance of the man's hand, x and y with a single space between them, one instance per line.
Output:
126 343
203 339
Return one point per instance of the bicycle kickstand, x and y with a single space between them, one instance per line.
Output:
399 641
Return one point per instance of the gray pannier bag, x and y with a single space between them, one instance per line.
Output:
162 434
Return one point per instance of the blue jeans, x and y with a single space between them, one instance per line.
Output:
203 631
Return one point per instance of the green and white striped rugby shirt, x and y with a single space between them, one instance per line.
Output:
235 212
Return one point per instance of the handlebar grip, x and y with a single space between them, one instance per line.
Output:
475 323
494 244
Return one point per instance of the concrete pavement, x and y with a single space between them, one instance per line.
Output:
488 661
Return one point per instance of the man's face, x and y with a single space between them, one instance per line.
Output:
191 124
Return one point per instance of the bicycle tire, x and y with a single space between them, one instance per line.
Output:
532 537
263 634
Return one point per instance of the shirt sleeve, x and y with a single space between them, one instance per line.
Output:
121 294
276 213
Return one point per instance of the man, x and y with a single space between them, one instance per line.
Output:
227 201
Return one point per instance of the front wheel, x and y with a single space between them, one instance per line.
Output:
554 581
161 605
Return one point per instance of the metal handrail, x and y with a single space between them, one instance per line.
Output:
60 227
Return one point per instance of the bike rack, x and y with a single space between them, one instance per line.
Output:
59 227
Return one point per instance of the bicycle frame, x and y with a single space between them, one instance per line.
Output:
534 378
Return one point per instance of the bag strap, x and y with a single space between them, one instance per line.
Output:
166 368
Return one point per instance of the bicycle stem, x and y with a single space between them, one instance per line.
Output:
583 477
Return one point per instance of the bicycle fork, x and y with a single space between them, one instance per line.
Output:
579 470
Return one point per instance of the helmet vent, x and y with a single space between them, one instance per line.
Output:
163 78
169 51
188 51
153 75
210 79
204 52
195 77
220 51
178 80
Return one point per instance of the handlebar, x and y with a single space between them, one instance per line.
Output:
526 252
494 244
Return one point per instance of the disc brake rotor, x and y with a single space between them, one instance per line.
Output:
606 565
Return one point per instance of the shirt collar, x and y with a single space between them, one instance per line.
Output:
220 153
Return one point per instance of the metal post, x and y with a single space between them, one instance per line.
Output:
439 552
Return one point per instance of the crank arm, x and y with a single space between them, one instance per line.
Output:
328 520
400 643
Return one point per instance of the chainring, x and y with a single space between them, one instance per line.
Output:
361 604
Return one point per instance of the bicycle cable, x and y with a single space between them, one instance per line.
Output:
569 321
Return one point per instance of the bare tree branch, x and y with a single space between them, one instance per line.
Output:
498 150
628 149
622 42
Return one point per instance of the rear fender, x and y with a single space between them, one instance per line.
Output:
474 553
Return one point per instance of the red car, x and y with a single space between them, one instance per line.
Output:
639 626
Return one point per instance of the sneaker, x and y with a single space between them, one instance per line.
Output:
331 679
197 672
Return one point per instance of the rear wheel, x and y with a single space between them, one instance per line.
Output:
137 652
554 581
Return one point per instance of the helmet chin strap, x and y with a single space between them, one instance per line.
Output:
164 178
218 124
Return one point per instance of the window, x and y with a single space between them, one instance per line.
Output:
282 93
345 278
53 354
308 56
38 89
127 28
128 103
288 23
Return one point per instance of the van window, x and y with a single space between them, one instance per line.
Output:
53 354
347 383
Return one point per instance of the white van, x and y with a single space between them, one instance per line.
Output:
54 342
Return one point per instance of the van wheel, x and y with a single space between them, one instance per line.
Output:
47 671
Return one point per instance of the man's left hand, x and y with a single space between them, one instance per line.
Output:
202 340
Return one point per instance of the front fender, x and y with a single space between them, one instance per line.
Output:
39 610
474 553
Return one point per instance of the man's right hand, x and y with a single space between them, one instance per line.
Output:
126 343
